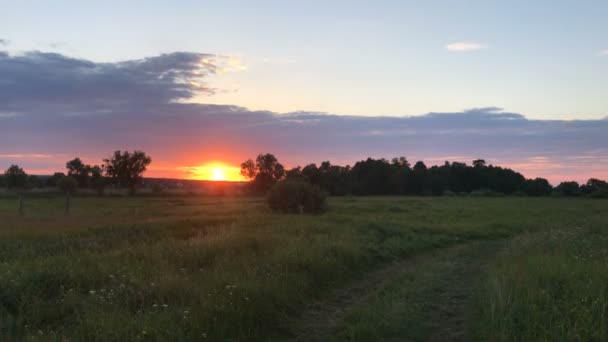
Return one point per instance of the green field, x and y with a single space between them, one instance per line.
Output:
370 269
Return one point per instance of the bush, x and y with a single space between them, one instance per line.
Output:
601 193
296 196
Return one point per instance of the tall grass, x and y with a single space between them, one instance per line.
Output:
218 269
549 286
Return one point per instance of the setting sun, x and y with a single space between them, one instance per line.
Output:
218 174
216 171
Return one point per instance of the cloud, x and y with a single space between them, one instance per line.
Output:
26 156
3 42
603 52
36 80
70 107
231 64
464 46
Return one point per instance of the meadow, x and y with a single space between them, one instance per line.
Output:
369 269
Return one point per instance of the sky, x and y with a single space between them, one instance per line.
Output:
519 83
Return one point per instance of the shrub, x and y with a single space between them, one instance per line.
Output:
601 193
296 196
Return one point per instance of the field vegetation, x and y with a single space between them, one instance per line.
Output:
195 268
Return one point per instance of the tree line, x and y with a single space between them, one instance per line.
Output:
366 177
123 169
399 177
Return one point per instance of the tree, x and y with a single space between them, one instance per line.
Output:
264 173
593 185
568 189
68 186
98 181
80 171
16 179
126 169
34 182
537 187
295 174
248 169
479 163
420 179
54 179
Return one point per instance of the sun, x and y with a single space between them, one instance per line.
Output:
215 171
218 174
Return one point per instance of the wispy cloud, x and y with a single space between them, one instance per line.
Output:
3 42
4 115
25 156
603 52
464 46
227 63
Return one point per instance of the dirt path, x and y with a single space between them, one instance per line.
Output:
442 284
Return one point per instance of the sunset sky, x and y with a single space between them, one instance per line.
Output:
203 85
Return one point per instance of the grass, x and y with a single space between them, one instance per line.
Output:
549 286
160 269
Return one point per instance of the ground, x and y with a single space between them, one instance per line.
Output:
370 269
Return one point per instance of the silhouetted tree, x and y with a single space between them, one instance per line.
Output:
420 179
295 174
80 171
568 189
126 169
381 177
68 186
264 172
537 187
479 163
593 185
98 181
15 177
34 182
371 177
16 180
54 179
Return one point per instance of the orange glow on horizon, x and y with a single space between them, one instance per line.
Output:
216 171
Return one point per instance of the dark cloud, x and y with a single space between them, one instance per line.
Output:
52 105
37 80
